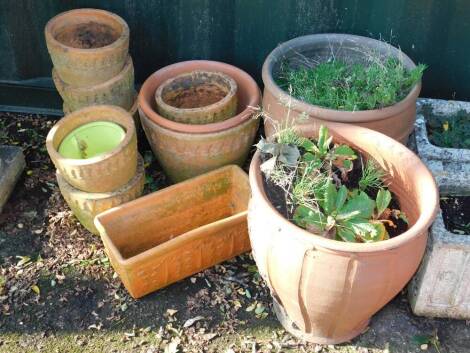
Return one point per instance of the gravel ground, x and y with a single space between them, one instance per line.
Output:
58 292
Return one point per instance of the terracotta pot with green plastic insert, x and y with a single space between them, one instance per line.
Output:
171 234
119 90
87 46
86 205
396 121
324 290
95 148
187 150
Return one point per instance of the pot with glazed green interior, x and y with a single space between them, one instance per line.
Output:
341 78
338 225
94 148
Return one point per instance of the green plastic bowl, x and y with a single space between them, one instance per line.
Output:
91 140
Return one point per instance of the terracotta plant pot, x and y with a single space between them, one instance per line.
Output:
187 150
119 90
325 291
178 231
396 121
198 97
85 205
105 172
87 46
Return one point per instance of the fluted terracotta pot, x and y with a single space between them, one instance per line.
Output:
187 150
325 291
119 90
396 121
75 43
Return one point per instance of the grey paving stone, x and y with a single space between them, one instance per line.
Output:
12 164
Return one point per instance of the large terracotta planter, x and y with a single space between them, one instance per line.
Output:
105 172
86 205
395 121
198 97
79 64
325 291
187 150
119 90
178 231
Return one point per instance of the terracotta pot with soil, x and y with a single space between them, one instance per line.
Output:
171 234
118 91
86 205
325 290
95 148
394 118
187 150
198 97
87 46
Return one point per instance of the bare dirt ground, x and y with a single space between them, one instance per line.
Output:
58 292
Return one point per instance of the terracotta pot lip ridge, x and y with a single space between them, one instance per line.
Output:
424 221
128 124
123 37
327 113
167 190
206 65
226 98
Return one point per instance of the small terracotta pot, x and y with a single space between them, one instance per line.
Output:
73 40
119 90
187 150
171 234
396 121
105 172
85 205
198 97
325 291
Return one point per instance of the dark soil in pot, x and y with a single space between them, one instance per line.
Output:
456 213
89 35
277 196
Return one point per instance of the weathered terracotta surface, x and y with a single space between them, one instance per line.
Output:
103 173
198 97
171 234
186 150
86 66
396 121
119 90
85 205
184 156
330 289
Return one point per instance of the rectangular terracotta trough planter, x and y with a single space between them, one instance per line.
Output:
171 234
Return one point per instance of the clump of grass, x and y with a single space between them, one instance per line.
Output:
337 85
371 176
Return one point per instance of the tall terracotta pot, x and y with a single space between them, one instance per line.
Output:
325 291
187 150
396 121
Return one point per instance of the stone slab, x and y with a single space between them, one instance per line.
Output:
12 163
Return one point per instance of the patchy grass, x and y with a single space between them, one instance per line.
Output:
337 85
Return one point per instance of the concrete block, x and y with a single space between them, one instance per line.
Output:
12 164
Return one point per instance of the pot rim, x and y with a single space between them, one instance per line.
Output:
423 222
161 102
148 89
123 37
327 113
125 120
